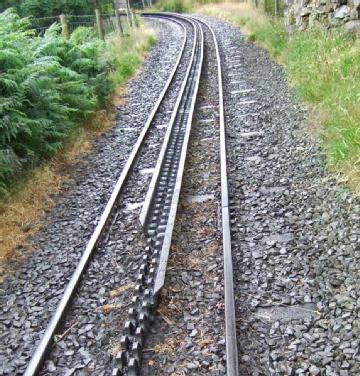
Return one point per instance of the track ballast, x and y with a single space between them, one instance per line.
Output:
158 214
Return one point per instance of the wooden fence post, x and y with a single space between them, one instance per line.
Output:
99 24
277 8
135 20
118 22
128 14
64 27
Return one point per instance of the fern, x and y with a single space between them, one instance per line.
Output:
48 86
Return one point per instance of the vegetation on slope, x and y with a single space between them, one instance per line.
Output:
48 86
34 74
324 68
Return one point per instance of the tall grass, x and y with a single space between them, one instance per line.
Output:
324 68
129 53
269 31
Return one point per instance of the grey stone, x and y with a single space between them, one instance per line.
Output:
342 12
352 26
193 333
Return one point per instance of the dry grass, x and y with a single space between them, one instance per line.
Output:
21 213
169 345
107 308
265 30
350 175
115 349
236 13
120 290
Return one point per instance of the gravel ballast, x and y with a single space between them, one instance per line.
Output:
295 231
31 294
99 311
295 237
188 332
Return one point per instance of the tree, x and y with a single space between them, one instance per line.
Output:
45 8
4 4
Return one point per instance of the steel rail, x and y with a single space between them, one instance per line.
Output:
148 204
169 172
152 187
46 341
232 364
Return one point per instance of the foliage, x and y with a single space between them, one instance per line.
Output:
4 4
48 86
46 8
178 6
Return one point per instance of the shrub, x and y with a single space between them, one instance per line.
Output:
48 85
178 6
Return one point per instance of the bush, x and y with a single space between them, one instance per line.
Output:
177 6
48 86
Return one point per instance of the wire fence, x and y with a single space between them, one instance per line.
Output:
108 23
77 21
40 25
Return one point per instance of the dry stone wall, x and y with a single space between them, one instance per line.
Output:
303 14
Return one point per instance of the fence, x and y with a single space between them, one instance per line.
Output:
103 23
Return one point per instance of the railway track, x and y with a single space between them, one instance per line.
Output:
175 108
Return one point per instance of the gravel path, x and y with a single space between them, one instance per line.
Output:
31 294
295 233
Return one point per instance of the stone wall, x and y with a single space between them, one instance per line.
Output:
303 14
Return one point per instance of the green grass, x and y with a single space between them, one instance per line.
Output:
271 34
324 69
129 53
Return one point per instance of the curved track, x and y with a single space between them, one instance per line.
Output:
158 214
230 320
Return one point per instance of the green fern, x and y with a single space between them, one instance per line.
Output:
48 86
